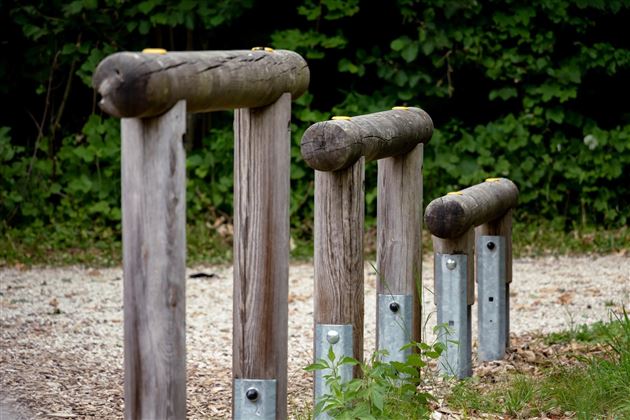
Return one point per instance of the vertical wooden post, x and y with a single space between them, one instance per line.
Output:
399 230
338 260
502 227
261 245
154 264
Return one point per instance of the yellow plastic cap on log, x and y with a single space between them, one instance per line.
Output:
341 118
154 51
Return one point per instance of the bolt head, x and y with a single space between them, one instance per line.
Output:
251 394
332 337
490 245
394 307
451 264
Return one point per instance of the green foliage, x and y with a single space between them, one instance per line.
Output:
528 90
385 389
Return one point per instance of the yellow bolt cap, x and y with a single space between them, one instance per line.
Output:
154 51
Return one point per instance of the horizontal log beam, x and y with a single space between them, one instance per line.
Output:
451 216
140 85
337 144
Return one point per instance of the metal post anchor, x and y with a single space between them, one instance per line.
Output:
395 318
492 296
255 399
340 338
453 311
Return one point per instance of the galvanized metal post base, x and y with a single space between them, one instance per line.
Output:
340 338
254 399
453 311
492 297
395 317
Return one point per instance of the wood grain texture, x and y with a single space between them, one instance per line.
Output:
465 244
450 216
338 260
399 229
337 144
140 85
154 265
261 245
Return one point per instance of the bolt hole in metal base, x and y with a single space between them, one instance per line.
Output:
255 399
395 319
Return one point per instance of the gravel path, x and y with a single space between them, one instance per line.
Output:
61 329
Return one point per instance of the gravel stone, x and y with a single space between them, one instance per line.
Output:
61 329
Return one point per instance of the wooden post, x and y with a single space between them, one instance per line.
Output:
502 227
154 254
399 230
339 215
261 245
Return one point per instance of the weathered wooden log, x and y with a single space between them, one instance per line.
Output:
261 245
139 85
154 253
338 260
337 144
450 216
399 231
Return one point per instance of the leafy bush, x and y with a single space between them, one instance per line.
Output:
528 90
385 389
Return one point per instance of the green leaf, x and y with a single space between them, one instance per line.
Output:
410 52
555 114
504 93
399 43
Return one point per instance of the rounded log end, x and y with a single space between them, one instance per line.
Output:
300 77
425 124
328 146
121 80
445 217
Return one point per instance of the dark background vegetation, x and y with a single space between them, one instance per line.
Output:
536 91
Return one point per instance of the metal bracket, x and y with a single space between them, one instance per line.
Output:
395 319
454 312
254 399
492 297
340 338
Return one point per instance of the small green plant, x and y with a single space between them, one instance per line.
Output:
588 386
384 389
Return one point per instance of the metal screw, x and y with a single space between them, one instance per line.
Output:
332 336
394 307
490 245
251 394
451 264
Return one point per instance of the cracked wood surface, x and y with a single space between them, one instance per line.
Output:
399 230
338 259
154 265
262 143
139 85
337 144
452 215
